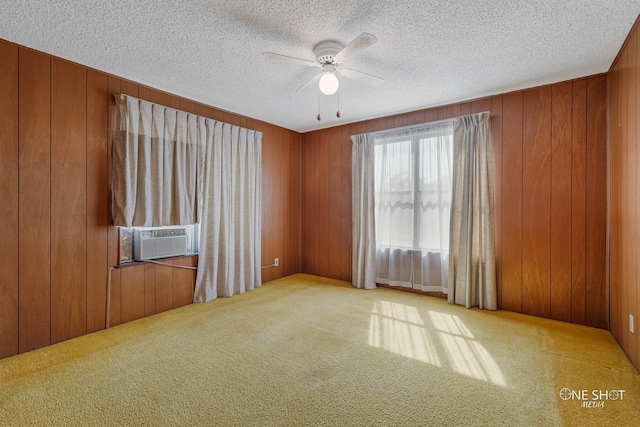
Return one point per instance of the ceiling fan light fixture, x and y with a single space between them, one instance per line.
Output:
328 83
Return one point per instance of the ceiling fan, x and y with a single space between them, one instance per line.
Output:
330 55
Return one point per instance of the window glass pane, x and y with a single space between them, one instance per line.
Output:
434 193
394 185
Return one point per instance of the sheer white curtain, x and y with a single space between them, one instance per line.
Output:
413 176
171 168
472 281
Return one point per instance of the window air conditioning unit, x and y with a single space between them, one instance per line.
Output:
151 243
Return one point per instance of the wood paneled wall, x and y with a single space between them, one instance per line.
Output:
56 122
624 136
550 181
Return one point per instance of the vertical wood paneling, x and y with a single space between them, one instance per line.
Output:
345 205
334 182
164 288
132 283
578 200
624 198
378 124
512 202
269 174
624 214
97 203
305 200
452 111
115 307
431 115
623 134
623 192
159 97
192 262
183 281
286 259
309 203
561 111
149 289
399 120
634 203
278 191
596 208
323 165
128 88
295 204
319 219
144 93
219 115
615 254
292 203
297 178
202 110
633 305
309 198
481 105
627 200
68 200
413 118
9 207
34 200
536 210
186 105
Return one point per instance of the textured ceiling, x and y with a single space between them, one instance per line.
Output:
430 52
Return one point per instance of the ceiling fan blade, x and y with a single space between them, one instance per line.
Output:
310 82
360 43
292 59
363 77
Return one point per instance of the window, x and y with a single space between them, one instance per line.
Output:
413 188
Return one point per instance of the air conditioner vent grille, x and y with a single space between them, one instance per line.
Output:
160 243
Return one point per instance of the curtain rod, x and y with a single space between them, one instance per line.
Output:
419 125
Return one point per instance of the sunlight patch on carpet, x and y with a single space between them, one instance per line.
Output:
446 340
399 329
466 355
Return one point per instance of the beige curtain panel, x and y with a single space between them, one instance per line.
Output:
173 168
472 264
155 154
363 215
231 211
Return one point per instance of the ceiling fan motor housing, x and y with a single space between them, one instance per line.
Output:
326 51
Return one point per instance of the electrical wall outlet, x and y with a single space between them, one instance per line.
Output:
276 262
631 326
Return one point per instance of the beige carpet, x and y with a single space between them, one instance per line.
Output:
306 351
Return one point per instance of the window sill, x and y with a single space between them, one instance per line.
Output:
138 263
